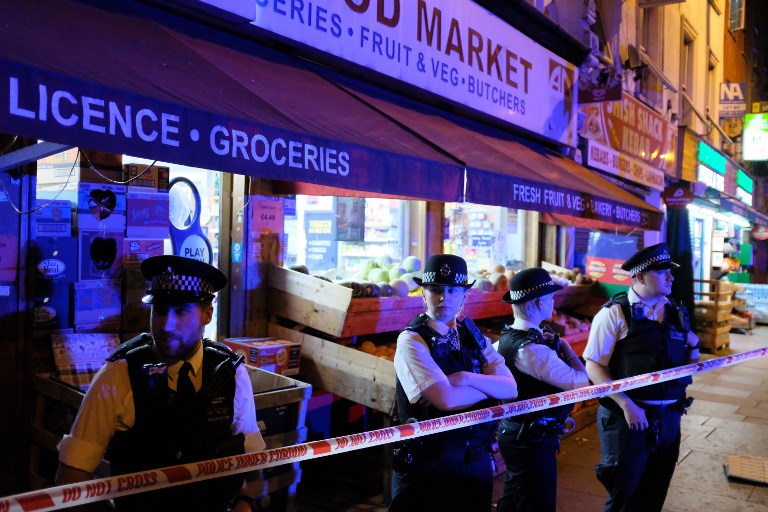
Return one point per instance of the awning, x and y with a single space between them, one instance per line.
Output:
506 171
733 205
123 77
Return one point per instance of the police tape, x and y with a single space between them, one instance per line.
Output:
65 496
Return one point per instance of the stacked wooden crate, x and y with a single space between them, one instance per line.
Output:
335 319
712 314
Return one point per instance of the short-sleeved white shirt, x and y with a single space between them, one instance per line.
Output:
542 363
108 407
417 370
609 326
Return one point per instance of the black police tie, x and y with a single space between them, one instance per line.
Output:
185 390
453 339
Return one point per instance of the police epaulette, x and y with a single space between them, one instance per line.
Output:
122 350
616 299
417 322
219 347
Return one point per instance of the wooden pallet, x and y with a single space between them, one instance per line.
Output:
719 344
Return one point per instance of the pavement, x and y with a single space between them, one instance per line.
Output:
729 417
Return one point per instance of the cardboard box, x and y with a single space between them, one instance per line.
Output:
137 250
81 158
147 215
71 167
79 356
55 264
9 257
271 354
143 177
98 302
101 206
54 219
99 327
100 254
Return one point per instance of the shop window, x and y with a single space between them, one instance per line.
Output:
101 228
485 236
341 237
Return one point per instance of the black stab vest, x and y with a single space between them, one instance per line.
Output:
529 387
651 346
470 358
166 434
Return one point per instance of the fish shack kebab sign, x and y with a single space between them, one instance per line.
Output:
452 48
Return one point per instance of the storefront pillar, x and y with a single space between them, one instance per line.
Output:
531 238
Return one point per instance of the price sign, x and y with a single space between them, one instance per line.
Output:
267 216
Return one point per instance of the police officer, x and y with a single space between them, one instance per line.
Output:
444 367
542 364
169 398
638 332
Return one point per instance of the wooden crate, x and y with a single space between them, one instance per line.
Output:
714 342
572 296
712 300
330 308
485 305
344 371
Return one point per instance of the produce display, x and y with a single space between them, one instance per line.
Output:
571 277
564 324
387 351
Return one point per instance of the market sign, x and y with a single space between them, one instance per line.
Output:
624 166
755 143
452 48
633 129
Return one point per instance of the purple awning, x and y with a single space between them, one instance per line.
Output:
503 170
121 77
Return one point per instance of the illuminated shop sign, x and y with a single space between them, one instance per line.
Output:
710 178
712 158
755 144
744 187
452 48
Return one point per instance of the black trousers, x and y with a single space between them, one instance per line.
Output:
443 478
636 467
531 479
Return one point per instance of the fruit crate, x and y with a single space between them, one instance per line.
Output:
329 308
344 371
572 296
